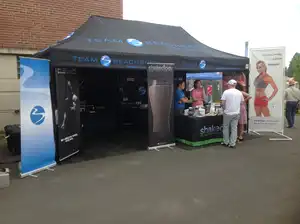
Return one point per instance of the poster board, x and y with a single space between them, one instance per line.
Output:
37 133
267 84
68 113
160 105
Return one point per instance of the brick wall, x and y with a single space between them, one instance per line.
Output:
34 24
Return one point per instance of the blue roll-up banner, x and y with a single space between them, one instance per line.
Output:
37 135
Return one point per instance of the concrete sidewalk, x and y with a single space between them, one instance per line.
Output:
257 183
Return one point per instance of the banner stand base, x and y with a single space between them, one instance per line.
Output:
49 169
157 148
285 137
62 159
33 173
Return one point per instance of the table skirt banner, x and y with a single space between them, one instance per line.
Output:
37 134
195 131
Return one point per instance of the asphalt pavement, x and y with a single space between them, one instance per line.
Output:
256 183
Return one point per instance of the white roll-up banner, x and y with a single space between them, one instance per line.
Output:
266 86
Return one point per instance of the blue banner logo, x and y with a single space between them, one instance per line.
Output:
134 42
37 115
105 61
142 90
202 64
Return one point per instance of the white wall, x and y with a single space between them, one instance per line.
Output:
9 90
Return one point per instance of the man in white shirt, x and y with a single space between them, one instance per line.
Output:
231 102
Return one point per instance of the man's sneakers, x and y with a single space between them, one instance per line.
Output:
227 145
224 144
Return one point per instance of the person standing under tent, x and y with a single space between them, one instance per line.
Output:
231 103
292 98
242 80
243 112
239 77
198 94
209 92
180 98
225 81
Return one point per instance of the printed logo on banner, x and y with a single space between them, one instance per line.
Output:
105 61
213 129
142 90
159 68
202 64
129 62
134 42
137 43
37 115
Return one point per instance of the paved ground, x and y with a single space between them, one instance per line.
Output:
257 183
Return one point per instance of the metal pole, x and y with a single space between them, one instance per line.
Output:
246 48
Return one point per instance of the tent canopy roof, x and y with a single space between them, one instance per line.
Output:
122 43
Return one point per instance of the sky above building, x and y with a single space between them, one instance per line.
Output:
227 25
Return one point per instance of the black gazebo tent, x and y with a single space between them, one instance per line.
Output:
121 44
115 43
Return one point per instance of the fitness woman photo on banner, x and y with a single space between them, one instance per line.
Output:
261 82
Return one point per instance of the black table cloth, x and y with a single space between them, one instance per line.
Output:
198 131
